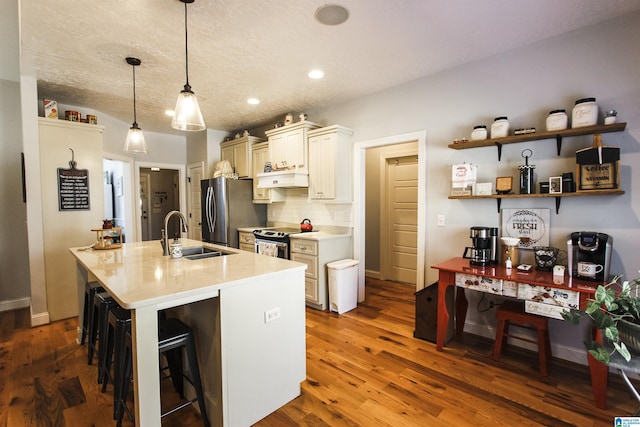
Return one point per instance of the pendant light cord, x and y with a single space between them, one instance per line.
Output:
135 121
186 48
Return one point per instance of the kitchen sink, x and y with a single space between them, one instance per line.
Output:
200 252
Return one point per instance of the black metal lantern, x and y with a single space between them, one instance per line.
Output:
527 182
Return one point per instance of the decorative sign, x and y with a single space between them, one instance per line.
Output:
73 188
530 225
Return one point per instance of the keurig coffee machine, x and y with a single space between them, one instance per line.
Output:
484 249
589 255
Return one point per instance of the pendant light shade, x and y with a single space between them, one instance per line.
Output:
187 112
135 142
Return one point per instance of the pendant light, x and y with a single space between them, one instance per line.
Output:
135 142
187 112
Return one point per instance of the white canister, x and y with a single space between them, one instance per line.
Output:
479 133
557 120
500 127
610 117
585 113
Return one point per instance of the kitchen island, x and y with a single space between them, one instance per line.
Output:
247 311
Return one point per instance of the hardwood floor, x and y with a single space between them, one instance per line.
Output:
364 368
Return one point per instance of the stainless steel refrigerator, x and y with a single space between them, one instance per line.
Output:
226 206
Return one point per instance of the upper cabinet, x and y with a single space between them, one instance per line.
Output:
238 153
260 155
330 164
288 146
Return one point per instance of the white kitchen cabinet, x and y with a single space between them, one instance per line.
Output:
316 254
247 241
238 153
330 164
289 145
260 155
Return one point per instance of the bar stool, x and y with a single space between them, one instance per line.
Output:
512 313
103 303
90 291
119 325
173 336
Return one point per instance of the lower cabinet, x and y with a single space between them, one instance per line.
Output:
317 253
247 241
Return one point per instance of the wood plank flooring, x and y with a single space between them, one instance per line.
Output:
364 368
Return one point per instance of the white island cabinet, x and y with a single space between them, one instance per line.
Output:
250 366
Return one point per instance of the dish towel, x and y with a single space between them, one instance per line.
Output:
269 249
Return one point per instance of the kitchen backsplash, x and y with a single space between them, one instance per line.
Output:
298 207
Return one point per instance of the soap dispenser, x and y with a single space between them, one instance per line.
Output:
176 248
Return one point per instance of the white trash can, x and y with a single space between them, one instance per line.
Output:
343 285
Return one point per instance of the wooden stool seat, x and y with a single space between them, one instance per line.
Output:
512 313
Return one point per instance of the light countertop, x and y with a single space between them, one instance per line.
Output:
138 274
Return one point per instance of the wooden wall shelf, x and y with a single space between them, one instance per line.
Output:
558 197
558 135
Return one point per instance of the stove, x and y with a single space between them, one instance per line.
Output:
274 241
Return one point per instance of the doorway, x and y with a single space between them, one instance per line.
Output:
360 203
118 194
161 189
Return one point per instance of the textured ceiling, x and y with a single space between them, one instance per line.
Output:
264 49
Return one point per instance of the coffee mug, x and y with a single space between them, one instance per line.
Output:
589 268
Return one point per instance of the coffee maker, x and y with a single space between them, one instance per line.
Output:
589 255
485 246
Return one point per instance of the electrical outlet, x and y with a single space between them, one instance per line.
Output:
271 315
440 220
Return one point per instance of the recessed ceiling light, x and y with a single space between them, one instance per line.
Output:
170 113
253 101
331 14
316 74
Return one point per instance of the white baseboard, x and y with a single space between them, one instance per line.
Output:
38 319
14 304
372 274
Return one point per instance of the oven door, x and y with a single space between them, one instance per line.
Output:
270 247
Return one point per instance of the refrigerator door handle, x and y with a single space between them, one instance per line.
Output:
213 204
208 209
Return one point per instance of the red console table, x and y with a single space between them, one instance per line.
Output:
447 277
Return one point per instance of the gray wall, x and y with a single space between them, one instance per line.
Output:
600 61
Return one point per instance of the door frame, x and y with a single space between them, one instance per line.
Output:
190 183
128 193
359 168
182 178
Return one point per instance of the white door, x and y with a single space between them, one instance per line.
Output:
401 218
145 201
195 174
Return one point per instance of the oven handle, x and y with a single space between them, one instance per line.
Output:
280 245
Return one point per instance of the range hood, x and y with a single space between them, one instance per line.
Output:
283 179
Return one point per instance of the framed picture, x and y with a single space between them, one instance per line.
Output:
530 225
555 185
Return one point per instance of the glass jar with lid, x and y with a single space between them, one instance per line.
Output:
500 127
479 133
585 113
557 120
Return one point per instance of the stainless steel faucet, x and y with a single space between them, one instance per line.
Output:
165 238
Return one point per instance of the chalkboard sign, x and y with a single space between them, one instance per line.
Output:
73 189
